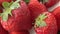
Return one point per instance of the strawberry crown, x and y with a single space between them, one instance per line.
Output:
8 7
39 21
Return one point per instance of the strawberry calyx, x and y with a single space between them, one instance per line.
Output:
44 1
39 21
8 7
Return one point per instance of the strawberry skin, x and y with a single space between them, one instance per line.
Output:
20 32
20 19
2 30
36 8
51 3
56 12
48 24
1 1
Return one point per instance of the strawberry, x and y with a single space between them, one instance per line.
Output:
56 12
49 3
45 23
20 32
1 1
2 30
16 16
36 8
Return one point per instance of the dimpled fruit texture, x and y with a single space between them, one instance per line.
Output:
51 26
20 19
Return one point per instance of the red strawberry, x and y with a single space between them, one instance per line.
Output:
56 12
45 23
36 8
1 1
2 31
19 19
49 3
20 32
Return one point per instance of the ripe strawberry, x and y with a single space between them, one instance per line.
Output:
36 8
56 12
20 32
16 16
1 1
45 23
2 31
49 3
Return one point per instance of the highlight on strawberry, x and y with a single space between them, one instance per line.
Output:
56 12
49 3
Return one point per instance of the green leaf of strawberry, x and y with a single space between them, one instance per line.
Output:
5 17
15 5
8 7
39 22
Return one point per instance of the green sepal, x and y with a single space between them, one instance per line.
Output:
42 24
5 17
5 14
8 7
14 5
5 5
43 16
0 14
39 21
